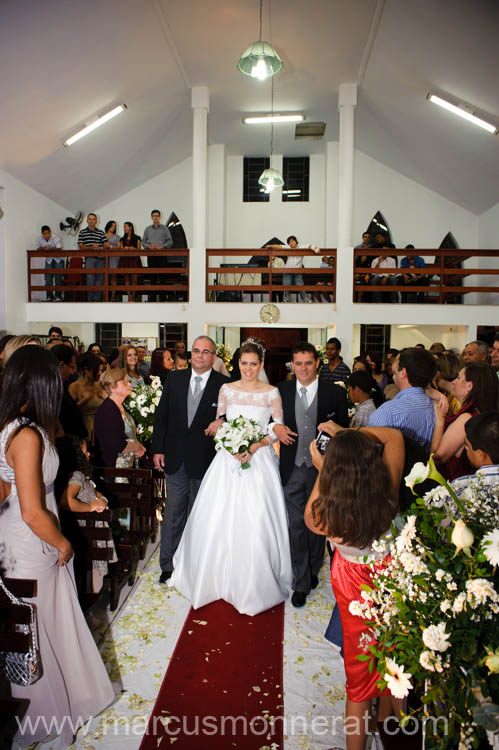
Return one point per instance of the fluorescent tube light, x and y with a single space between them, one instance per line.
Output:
259 119
462 111
95 124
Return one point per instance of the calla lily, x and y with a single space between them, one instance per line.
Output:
433 472
420 472
462 537
417 474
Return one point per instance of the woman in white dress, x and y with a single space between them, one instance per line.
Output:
74 684
235 545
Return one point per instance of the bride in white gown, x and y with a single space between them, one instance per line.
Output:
235 545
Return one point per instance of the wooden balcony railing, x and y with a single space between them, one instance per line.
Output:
169 282
441 279
246 281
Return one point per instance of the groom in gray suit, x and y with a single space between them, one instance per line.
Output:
306 402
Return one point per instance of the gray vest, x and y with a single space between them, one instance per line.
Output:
192 404
306 423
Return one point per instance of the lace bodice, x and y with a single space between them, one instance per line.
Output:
260 406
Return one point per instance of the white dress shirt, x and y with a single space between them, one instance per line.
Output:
204 379
43 244
386 262
311 389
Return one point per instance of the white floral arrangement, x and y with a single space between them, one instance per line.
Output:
142 404
237 436
432 610
321 351
225 353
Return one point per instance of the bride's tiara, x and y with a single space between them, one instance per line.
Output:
255 343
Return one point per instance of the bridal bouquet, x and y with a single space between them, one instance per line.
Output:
237 435
433 611
141 405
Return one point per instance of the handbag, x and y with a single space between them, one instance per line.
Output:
22 668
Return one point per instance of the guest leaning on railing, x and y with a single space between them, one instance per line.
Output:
92 238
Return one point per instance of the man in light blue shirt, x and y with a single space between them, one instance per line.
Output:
411 411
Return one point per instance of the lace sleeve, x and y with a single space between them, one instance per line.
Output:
222 401
276 404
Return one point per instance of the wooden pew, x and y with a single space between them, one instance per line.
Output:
133 505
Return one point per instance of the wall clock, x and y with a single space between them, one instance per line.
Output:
269 313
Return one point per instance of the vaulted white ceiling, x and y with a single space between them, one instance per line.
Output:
64 61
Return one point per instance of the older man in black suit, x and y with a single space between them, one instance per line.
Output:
306 402
182 441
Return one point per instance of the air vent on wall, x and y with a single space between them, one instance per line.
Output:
311 130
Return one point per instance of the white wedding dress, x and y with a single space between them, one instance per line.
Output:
235 545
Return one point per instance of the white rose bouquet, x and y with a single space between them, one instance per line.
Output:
433 611
142 404
237 435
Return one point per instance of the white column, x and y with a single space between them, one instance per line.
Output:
347 100
200 103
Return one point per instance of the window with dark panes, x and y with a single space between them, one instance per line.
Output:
108 336
253 166
296 174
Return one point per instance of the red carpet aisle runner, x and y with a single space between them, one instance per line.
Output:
223 686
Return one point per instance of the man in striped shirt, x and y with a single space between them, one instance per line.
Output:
335 369
411 411
93 239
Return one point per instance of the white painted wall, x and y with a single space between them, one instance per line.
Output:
415 214
168 191
25 212
489 240
249 225
452 337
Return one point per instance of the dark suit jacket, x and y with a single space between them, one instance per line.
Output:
331 404
182 444
70 416
109 433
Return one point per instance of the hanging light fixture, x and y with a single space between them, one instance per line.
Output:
260 60
271 178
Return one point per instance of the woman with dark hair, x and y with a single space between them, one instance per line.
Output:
353 513
86 391
476 388
130 241
114 241
235 545
94 349
162 363
73 685
375 363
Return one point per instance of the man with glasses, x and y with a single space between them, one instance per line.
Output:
182 441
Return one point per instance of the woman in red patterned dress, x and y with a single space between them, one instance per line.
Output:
353 506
